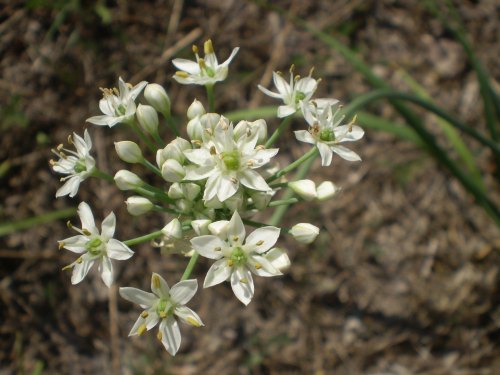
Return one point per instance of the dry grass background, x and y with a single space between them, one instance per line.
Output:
404 278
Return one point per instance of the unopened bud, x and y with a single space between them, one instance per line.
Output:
195 129
148 118
326 190
175 191
129 151
174 150
126 180
173 230
172 171
249 128
137 205
157 97
195 109
201 226
278 258
304 232
306 189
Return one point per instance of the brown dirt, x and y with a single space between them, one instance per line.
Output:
404 278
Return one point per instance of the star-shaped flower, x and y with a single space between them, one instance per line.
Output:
76 165
226 163
95 246
236 259
118 105
293 93
163 305
205 71
326 132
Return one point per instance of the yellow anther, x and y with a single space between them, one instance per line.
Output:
311 71
193 322
258 266
279 73
235 238
196 142
202 64
52 162
144 314
86 232
59 147
296 78
260 147
67 267
61 245
195 49
209 131
230 263
142 328
70 139
69 225
250 163
208 47
234 180
261 242
162 314
156 281
129 85
218 249
159 336
319 80
292 68
117 92
352 122
213 151
79 260
244 280
181 74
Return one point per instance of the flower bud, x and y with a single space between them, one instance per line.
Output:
194 129
304 232
137 205
175 191
195 109
157 97
191 190
261 198
126 180
278 259
172 171
326 190
148 118
306 189
174 150
184 206
219 228
201 226
129 151
173 230
249 128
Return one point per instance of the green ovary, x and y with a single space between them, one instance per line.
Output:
80 167
162 307
231 160
238 256
95 246
299 96
327 135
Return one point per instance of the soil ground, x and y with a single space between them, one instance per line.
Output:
404 278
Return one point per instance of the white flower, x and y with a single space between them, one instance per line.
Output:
306 189
295 92
326 132
226 163
237 259
205 71
118 106
163 305
95 246
76 165
304 232
326 190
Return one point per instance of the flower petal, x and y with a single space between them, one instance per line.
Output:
80 270
226 187
159 286
170 335
108 226
263 238
106 270
286 110
206 245
304 136
86 217
345 153
242 284
253 180
99 120
70 187
183 291
138 296
326 154
262 267
278 258
236 230
218 273
75 244
118 250
188 66
188 316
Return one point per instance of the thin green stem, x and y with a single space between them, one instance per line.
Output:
151 167
190 266
165 209
171 122
277 133
312 152
158 140
152 194
141 239
210 97
137 130
100 174
254 224
282 202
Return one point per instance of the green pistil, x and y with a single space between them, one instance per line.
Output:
95 246
238 257
299 95
161 308
327 135
231 160
80 167
210 72
120 111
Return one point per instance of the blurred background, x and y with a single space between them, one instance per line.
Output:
404 277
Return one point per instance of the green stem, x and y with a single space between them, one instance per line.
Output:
147 237
158 140
142 136
254 224
312 152
100 174
165 209
190 266
151 167
171 122
282 202
211 99
278 131
152 194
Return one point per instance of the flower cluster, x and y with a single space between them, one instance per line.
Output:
213 177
